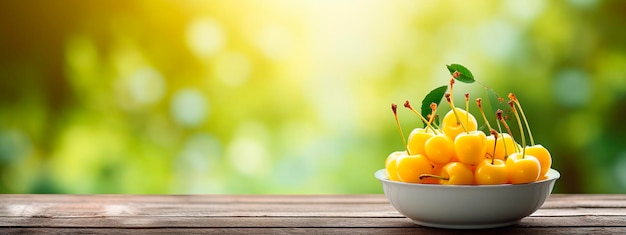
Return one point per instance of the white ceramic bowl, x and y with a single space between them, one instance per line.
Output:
467 207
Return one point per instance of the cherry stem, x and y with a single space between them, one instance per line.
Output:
506 152
428 124
530 135
394 108
422 176
508 129
467 107
433 108
456 115
495 136
521 129
480 108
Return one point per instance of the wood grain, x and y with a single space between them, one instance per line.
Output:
278 214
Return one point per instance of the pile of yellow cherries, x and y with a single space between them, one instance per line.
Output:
457 153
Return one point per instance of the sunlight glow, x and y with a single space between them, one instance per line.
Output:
205 37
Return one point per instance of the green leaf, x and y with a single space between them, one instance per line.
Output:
433 96
497 102
465 75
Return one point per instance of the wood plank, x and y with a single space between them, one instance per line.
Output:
558 199
555 201
196 199
179 209
580 212
586 204
376 231
96 209
250 222
287 213
578 197
191 199
262 210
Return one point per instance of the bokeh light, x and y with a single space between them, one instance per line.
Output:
189 107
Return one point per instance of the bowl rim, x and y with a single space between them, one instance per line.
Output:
381 175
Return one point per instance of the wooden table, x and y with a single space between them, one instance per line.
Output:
263 214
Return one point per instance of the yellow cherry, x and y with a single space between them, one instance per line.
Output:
500 148
452 127
523 168
410 167
491 171
543 155
390 165
439 149
470 147
432 180
417 140
456 173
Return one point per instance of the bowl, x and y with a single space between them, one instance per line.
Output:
467 206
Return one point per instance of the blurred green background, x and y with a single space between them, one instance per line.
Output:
287 96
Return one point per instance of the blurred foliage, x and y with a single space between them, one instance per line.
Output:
290 96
